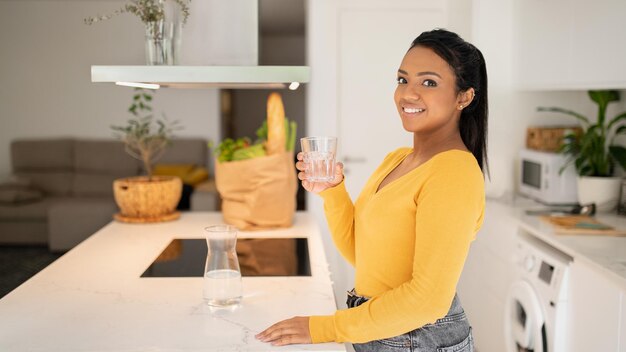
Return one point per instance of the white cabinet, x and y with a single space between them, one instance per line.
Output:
487 275
594 311
569 44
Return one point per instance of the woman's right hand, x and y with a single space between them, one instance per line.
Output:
317 187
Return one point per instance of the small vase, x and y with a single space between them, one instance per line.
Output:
162 42
603 191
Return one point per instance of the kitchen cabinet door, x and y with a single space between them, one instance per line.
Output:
593 310
541 42
598 51
575 44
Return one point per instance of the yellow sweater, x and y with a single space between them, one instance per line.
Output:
408 243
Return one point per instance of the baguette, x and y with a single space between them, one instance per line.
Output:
275 124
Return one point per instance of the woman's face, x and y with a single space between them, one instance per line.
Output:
426 96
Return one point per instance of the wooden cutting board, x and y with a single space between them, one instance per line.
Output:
581 225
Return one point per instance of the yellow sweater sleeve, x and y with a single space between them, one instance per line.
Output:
339 211
448 213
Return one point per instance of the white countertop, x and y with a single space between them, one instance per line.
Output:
606 254
93 298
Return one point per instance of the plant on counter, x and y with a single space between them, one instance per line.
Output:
595 151
148 11
143 139
243 148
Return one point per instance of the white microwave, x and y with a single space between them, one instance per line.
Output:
540 179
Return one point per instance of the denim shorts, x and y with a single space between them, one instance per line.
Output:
451 333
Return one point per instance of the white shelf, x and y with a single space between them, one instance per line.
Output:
233 77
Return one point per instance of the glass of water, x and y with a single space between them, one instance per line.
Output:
222 277
319 156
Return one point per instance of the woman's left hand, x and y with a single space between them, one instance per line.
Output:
287 332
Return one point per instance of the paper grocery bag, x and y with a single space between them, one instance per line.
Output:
258 193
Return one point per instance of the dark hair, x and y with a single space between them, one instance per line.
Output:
468 65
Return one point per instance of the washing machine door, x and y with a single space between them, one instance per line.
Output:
524 320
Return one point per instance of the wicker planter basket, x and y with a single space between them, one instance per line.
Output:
153 200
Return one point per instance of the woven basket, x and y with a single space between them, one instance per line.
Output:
139 198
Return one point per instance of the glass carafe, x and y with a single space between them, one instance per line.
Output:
222 277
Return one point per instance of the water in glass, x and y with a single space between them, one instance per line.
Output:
222 287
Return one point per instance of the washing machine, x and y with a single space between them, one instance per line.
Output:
536 304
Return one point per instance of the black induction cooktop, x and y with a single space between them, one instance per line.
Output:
185 257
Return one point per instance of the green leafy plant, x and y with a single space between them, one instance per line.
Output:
595 151
147 10
145 138
243 148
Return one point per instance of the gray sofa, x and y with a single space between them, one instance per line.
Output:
75 177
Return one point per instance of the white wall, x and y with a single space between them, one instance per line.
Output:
46 91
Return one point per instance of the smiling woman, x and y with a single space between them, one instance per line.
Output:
427 98
410 230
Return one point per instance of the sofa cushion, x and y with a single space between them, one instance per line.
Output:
46 163
42 155
36 211
186 151
16 194
98 164
104 156
93 185
50 183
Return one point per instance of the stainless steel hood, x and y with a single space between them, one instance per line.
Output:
219 50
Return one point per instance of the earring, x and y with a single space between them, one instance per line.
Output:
460 107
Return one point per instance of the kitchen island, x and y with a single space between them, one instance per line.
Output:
94 297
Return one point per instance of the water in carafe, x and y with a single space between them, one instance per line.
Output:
222 277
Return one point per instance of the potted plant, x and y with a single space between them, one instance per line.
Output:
595 152
162 36
146 198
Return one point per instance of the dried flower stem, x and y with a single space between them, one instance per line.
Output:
147 10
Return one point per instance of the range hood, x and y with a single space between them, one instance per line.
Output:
219 50
198 77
